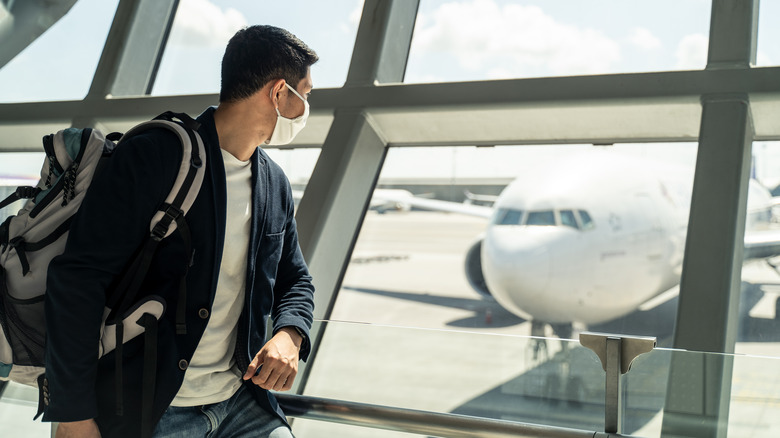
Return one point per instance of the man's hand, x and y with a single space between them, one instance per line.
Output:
279 360
78 429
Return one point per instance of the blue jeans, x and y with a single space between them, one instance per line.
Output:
239 416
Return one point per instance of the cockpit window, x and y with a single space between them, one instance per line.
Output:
568 219
546 217
587 222
508 216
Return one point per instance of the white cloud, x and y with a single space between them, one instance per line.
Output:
357 12
644 39
353 20
692 52
482 34
203 24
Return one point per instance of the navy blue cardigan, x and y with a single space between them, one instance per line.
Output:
110 226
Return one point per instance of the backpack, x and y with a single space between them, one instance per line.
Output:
33 237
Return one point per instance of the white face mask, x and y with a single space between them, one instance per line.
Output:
286 129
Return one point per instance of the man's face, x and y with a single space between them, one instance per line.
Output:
290 105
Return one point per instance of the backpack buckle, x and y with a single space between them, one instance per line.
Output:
27 192
170 214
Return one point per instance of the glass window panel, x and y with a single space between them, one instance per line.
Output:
498 39
759 306
413 264
507 216
768 34
546 217
44 71
202 28
587 222
567 219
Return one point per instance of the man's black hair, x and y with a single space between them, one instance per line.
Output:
258 54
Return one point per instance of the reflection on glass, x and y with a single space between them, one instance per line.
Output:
44 71
201 30
499 39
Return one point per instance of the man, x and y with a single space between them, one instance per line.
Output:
245 266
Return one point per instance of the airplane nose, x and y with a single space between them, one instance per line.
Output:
517 266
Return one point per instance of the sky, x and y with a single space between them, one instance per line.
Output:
454 40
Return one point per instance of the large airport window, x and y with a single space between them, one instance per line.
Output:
424 285
60 63
498 39
202 28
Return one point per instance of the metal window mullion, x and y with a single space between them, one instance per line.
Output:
699 388
133 48
341 186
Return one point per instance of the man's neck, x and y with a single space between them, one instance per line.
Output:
238 131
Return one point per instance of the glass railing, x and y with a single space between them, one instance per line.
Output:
542 381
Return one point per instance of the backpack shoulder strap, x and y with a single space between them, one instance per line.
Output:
191 170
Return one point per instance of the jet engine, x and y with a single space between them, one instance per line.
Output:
474 269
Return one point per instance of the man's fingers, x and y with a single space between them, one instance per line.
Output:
277 381
253 366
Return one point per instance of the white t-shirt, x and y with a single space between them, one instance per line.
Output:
212 375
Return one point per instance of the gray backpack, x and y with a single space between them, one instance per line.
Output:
33 237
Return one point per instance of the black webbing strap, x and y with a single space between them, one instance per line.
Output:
22 247
181 308
128 286
118 360
18 244
186 120
149 322
22 192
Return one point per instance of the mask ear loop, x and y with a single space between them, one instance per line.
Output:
271 96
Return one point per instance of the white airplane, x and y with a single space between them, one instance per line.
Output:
592 238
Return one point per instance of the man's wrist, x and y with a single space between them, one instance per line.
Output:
295 333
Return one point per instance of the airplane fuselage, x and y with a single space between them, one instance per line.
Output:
587 241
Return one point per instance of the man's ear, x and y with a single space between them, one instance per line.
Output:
276 88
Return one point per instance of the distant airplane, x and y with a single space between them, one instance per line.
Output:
591 238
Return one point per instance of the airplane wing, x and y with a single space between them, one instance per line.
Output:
435 204
406 198
762 243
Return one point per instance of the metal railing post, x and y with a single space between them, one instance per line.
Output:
616 353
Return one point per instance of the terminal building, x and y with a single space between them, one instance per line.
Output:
499 201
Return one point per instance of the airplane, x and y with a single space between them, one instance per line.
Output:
591 238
